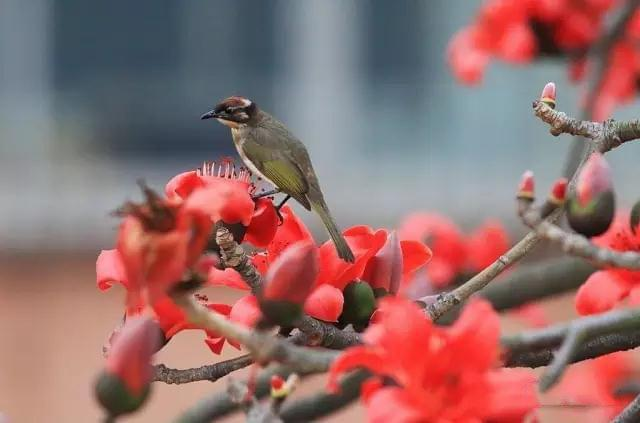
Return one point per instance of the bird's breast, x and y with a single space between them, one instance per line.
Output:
238 141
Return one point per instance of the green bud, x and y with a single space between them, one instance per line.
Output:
359 304
115 397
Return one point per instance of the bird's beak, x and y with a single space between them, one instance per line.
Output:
210 115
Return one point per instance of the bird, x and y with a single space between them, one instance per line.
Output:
272 152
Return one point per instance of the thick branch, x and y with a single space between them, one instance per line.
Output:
530 283
211 372
321 404
572 337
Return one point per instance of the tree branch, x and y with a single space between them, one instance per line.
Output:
263 346
631 413
576 244
572 337
211 372
321 404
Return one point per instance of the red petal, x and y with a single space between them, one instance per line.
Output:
384 270
601 292
109 269
475 335
264 224
486 244
392 404
215 344
355 357
228 200
183 184
512 395
291 231
414 255
325 303
246 311
226 277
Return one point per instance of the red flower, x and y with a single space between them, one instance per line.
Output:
293 274
224 194
441 374
594 383
158 240
606 288
171 319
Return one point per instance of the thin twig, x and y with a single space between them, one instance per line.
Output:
211 372
576 244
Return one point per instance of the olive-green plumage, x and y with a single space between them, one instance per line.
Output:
269 149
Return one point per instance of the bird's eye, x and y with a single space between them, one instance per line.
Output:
229 110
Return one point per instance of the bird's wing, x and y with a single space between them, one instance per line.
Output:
277 165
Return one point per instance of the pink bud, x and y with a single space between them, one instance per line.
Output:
548 95
277 382
558 191
130 356
292 276
594 179
384 270
527 185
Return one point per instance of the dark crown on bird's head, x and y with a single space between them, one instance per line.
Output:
234 109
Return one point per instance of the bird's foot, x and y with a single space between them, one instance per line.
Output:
279 206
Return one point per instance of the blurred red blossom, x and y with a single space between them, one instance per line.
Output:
606 288
439 374
519 31
170 318
595 384
158 241
453 252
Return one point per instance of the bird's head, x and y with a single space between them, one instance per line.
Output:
233 111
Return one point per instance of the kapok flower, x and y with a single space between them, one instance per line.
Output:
595 383
439 374
170 318
158 241
224 194
124 384
606 288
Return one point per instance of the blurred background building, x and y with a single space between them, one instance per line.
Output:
95 95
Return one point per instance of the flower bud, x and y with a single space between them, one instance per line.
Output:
288 283
548 95
359 304
526 187
556 197
123 386
384 270
591 208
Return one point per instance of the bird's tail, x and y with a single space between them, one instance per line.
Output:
344 252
